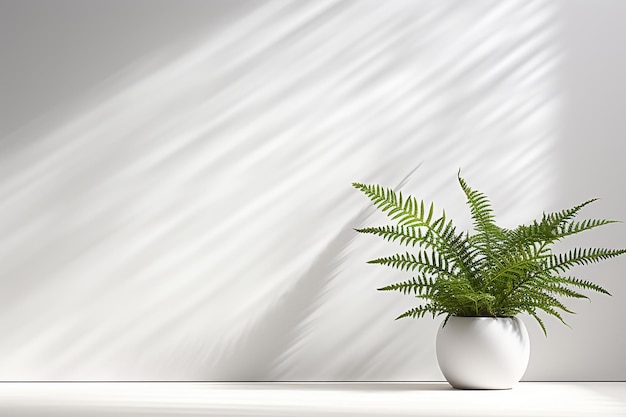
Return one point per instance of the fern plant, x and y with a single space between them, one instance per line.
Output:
491 272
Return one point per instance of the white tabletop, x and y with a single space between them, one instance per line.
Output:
308 399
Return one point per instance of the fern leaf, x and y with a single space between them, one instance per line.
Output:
533 313
552 227
573 228
407 235
551 311
578 256
555 219
561 290
544 299
431 263
495 271
531 305
414 285
440 234
587 285
480 208
408 213
420 311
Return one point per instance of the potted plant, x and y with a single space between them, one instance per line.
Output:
481 281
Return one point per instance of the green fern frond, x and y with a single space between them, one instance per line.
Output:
408 236
440 233
480 208
552 227
573 228
579 283
414 285
493 272
561 290
555 219
542 299
549 309
524 236
431 263
420 311
533 312
530 305
578 256
407 212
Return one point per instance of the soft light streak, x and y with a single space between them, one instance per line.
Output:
196 223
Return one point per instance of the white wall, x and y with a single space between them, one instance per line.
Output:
175 199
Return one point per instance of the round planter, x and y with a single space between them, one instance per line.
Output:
483 352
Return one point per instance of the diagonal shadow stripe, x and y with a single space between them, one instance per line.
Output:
263 346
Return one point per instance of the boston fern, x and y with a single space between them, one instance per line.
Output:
493 272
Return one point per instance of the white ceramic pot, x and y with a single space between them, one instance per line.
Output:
483 352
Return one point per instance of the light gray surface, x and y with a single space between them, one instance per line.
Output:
175 199
288 399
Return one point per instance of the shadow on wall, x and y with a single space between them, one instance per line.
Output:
197 223
263 351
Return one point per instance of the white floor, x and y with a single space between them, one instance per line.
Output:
308 399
